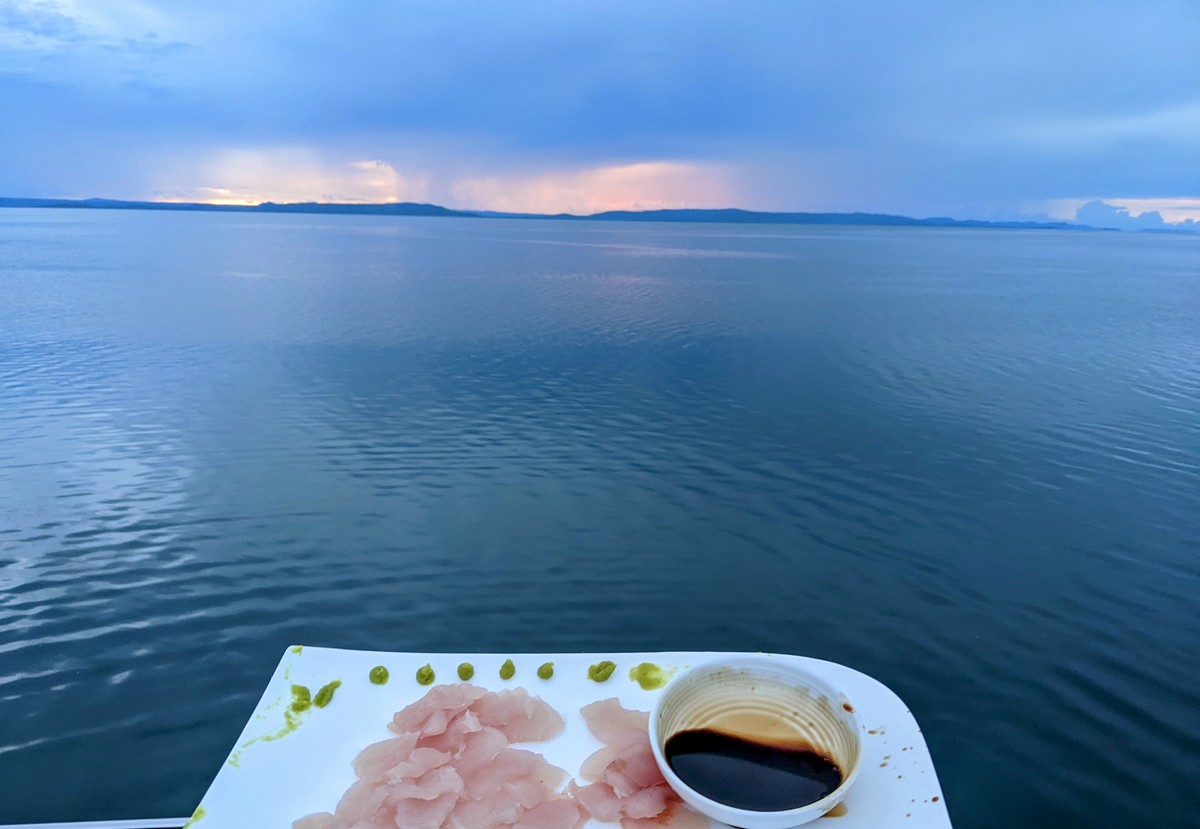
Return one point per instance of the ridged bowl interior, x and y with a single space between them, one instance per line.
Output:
769 703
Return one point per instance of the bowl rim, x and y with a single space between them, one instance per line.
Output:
748 663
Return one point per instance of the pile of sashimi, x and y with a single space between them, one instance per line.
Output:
452 765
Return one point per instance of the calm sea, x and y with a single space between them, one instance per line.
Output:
964 462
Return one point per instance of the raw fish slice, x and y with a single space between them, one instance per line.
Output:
451 738
596 763
508 765
559 813
362 802
373 762
494 809
648 802
429 786
418 762
451 767
528 793
548 775
432 712
629 785
633 771
412 813
613 724
478 750
521 717
600 801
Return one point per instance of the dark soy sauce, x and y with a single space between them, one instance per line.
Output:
750 775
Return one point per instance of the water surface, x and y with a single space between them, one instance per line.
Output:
964 462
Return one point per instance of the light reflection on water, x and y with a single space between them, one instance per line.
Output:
964 462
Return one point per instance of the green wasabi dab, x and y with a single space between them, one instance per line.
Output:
649 676
378 675
546 670
425 675
508 670
601 671
301 699
465 671
325 695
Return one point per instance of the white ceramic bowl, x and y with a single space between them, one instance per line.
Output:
763 698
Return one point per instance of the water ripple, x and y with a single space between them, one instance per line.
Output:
964 462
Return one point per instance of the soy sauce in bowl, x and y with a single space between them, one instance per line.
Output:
748 774
757 740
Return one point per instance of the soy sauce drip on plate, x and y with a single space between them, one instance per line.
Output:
750 775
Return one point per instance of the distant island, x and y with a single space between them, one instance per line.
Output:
728 216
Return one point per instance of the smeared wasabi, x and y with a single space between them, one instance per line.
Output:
291 721
301 699
297 649
302 702
465 671
425 675
325 695
508 670
378 675
196 817
546 670
601 671
649 676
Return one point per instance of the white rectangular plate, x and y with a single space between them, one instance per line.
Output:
268 783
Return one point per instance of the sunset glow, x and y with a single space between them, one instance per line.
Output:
856 106
290 175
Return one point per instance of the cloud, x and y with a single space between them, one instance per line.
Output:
77 27
32 23
1098 213
292 174
252 176
941 108
645 185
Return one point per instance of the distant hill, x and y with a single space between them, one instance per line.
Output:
728 216
735 216
389 209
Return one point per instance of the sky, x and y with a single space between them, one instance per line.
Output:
1063 110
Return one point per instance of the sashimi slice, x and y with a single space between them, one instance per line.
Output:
559 813
451 766
495 809
600 802
629 785
613 724
478 750
419 762
412 813
597 762
648 802
528 792
373 762
432 712
429 786
451 737
510 764
521 717
363 801
633 771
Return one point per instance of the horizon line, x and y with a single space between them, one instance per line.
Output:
697 214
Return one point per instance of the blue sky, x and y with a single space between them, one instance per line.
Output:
987 110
